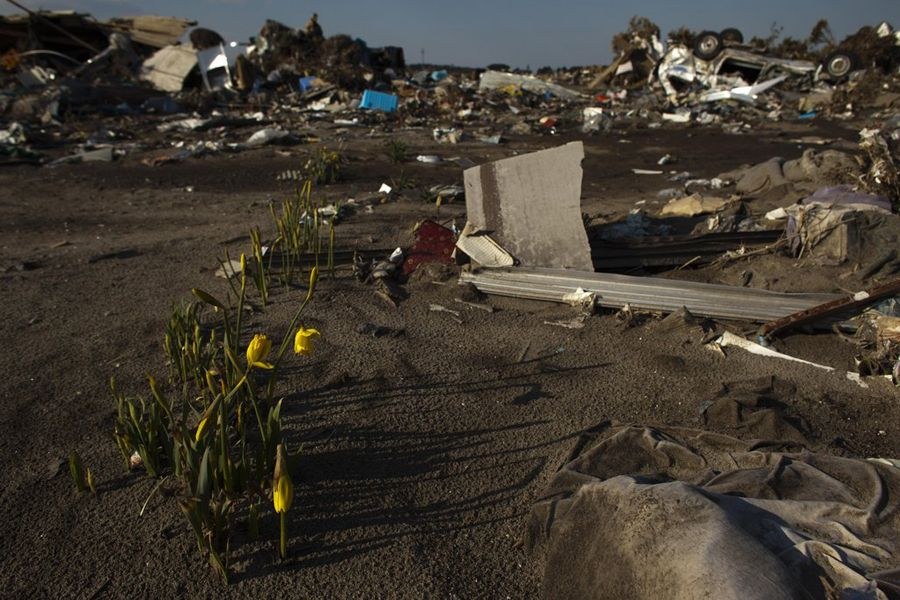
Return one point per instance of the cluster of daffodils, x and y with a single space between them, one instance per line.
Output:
224 468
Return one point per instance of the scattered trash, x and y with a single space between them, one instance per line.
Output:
693 205
434 243
267 136
99 155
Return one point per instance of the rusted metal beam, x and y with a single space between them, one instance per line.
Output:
830 309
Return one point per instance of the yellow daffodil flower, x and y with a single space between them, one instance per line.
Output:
282 486
303 340
258 351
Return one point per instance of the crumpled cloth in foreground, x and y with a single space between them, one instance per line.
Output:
680 513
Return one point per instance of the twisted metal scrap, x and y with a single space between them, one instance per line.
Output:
882 177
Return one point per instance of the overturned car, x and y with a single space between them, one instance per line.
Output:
722 59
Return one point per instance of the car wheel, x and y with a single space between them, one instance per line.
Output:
840 64
732 35
707 45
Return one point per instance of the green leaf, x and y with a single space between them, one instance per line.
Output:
204 481
76 471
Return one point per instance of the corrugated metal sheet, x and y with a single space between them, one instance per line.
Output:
644 293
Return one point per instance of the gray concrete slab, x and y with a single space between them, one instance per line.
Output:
531 205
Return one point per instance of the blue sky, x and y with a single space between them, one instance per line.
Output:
478 32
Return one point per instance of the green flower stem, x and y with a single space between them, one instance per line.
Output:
283 544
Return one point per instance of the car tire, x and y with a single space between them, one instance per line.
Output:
708 45
840 64
732 35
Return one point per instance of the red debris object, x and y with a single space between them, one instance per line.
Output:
434 243
548 122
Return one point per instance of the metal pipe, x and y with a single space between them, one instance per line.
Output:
51 53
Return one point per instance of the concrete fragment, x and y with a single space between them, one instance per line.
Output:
167 69
531 206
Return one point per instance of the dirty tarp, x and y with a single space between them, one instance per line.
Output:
646 512
807 173
531 206
836 224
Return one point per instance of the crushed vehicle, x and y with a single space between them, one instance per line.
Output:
722 59
681 67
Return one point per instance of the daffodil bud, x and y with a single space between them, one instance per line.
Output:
313 278
282 486
207 298
211 381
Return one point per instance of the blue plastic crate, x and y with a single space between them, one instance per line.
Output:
306 82
378 101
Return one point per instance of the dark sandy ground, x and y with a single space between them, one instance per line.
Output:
421 453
